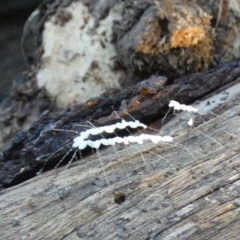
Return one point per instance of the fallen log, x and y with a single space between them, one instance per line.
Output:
174 195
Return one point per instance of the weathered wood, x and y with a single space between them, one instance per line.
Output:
174 196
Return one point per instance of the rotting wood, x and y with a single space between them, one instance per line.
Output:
199 200
38 141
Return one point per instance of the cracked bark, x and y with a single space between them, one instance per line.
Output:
144 106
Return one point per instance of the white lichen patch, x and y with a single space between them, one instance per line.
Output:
78 56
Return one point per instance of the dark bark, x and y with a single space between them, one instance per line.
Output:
41 141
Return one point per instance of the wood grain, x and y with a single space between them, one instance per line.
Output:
173 196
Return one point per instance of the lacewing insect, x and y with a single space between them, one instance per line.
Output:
84 140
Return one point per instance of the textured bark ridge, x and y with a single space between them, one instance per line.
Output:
175 38
140 38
